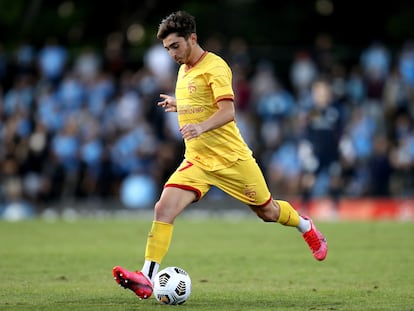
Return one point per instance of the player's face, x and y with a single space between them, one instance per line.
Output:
178 47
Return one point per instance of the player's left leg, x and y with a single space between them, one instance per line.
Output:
245 182
283 213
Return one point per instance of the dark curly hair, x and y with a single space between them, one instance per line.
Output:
179 22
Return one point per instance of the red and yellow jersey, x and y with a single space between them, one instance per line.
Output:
198 91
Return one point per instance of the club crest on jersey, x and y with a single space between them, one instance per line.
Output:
191 88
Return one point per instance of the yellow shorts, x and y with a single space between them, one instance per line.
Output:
243 181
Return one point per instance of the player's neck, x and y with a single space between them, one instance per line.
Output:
198 54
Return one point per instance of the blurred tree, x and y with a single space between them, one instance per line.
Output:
271 28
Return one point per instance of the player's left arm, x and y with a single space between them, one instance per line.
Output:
222 116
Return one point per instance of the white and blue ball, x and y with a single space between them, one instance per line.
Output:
172 286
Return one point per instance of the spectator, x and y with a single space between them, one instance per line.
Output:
375 62
25 59
380 169
406 68
65 153
160 65
303 71
20 97
360 132
4 67
322 135
52 60
284 169
87 65
402 154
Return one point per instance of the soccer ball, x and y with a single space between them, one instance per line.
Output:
172 286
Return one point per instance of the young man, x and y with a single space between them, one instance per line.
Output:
216 154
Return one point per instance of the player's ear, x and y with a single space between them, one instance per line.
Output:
193 37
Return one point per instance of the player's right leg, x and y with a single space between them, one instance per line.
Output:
172 202
140 282
136 281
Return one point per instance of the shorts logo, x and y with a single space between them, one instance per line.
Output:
250 193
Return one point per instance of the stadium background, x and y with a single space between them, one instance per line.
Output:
79 81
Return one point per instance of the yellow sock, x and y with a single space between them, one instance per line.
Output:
158 241
288 215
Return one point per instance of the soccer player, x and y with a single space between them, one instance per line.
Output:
216 153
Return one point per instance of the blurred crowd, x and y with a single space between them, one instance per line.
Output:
85 125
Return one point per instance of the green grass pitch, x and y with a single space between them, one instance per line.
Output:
241 264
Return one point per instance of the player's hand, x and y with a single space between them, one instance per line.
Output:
168 103
190 131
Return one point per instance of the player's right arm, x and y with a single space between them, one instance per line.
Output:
222 116
168 103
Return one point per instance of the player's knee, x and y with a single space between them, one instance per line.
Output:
164 211
159 209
